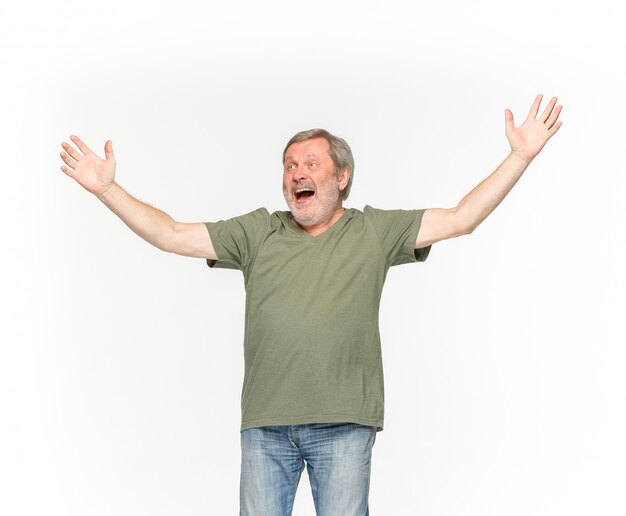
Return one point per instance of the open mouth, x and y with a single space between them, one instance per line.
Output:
304 194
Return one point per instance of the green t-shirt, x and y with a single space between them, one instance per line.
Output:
311 344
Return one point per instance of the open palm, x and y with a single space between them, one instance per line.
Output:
528 139
91 171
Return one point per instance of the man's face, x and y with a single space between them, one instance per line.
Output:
310 185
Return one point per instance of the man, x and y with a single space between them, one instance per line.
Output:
313 383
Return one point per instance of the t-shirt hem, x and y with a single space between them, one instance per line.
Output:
420 254
378 423
217 245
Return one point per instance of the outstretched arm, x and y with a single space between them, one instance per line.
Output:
97 176
526 142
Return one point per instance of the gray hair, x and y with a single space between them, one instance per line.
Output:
339 151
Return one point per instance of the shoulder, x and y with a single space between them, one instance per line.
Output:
370 211
256 216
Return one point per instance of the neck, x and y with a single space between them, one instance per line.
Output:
319 228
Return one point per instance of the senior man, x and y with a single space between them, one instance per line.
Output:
313 382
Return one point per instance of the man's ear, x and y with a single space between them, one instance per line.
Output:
344 177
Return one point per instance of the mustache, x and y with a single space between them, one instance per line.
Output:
303 184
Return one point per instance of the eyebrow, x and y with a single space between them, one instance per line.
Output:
289 157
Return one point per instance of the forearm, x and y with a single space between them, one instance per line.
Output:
151 224
484 198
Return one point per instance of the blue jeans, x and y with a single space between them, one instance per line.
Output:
337 456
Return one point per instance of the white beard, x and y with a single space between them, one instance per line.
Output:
326 199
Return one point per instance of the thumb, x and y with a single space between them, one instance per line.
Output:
509 123
108 150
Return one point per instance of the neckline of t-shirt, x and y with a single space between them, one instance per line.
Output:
297 230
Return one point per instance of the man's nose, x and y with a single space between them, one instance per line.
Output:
300 174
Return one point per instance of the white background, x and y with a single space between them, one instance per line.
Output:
121 366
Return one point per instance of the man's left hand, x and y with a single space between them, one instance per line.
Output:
528 139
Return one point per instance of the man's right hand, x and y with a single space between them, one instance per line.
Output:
92 172
156 227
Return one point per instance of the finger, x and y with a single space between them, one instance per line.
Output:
80 144
534 109
71 151
554 129
554 117
509 122
69 161
108 150
67 171
546 112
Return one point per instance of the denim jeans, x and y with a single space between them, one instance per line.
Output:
337 456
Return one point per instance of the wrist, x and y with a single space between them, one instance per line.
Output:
520 157
108 192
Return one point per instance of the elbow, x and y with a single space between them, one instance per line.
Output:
468 229
165 247
466 220
462 224
167 241
170 241
462 231
161 244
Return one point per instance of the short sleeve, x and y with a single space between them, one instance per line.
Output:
397 233
234 240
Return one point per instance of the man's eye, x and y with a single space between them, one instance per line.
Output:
312 165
